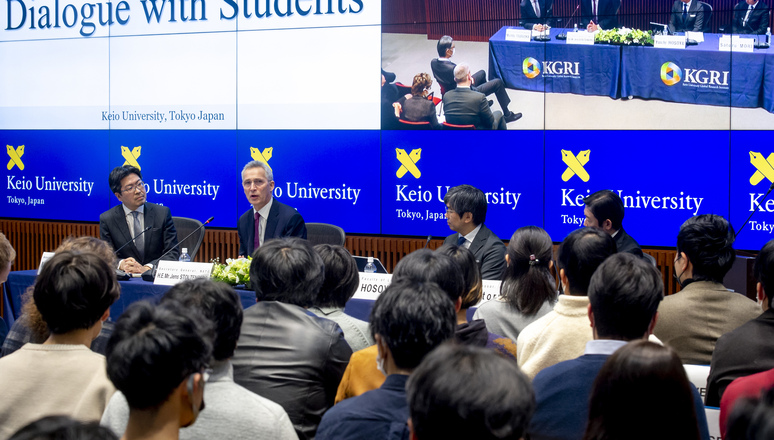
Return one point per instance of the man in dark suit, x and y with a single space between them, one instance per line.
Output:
443 70
687 16
600 14
465 106
267 218
750 17
465 215
537 14
605 210
121 223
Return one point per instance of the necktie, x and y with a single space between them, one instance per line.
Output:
139 242
596 11
747 16
537 8
461 241
257 239
685 12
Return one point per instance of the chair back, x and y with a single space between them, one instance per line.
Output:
324 233
184 226
707 16
448 126
410 125
697 375
651 259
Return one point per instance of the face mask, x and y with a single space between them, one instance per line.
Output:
380 364
194 408
676 276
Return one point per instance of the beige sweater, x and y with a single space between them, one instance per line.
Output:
43 380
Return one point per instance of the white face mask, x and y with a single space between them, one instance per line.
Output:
760 304
380 364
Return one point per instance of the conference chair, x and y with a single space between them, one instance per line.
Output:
698 375
325 233
410 125
184 226
448 126
707 16
651 259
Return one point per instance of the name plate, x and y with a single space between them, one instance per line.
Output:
736 43
170 273
669 42
695 36
586 38
514 34
372 285
43 258
491 288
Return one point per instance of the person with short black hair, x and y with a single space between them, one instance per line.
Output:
341 283
63 428
605 210
465 214
752 418
409 320
750 17
562 333
73 293
157 357
122 223
686 16
692 320
286 353
460 391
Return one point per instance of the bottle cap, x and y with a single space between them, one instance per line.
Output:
185 250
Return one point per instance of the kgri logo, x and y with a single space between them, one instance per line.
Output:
408 162
262 156
575 165
15 156
671 74
531 68
131 156
762 166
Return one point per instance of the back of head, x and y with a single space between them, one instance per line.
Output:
764 269
424 265
422 82
118 174
471 274
752 418
93 245
466 392
154 348
219 303
625 292
581 253
73 291
412 319
63 428
287 270
341 276
444 44
466 198
527 281
707 241
636 379
606 205
7 253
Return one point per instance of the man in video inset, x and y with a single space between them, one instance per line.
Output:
605 210
750 17
596 14
687 16
537 14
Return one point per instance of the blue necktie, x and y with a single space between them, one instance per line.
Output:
685 12
461 240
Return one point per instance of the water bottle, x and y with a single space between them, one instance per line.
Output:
184 256
575 27
768 36
370 267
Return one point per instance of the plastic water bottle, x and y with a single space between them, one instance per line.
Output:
370 267
768 36
575 27
184 256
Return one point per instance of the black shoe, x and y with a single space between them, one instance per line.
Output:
512 117
491 102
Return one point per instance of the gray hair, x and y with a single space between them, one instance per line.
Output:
461 73
259 164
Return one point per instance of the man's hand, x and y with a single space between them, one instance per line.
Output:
538 27
130 265
398 109
592 27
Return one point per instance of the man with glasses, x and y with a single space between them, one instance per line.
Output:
268 218
126 222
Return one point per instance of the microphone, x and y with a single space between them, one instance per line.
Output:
132 240
738 231
151 276
563 35
428 241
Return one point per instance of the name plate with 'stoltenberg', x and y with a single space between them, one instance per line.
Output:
668 42
582 37
523 35
170 273
736 43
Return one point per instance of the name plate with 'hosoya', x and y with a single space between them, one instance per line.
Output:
668 42
523 35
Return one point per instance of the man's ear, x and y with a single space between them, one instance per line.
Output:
652 324
563 279
591 316
607 226
412 434
467 217
507 260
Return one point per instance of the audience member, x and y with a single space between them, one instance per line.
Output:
528 290
748 349
417 108
341 283
605 210
30 327
692 320
465 214
63 428
7 255
285 353
477 331
233 412
641 379
468 392
157 357
747 387
752 418
62 376
389 95
466 106
562 333
408 321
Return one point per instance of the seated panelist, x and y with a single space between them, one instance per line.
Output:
537 14
599 14
750 17
687 16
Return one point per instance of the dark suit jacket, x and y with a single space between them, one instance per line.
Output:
757 23
464 106
528 17
489 251
419 109
608 13
443 71
160 238
626 243
694 22
283 221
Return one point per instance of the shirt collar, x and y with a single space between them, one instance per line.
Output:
472 234
603 346
128 211
265 210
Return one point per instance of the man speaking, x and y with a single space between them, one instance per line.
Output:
267 218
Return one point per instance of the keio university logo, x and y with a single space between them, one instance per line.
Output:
15 157
531 68
763 168
262 156
131 156
575 165
671 74
408 162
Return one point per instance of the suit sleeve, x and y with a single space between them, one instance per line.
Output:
170 238
764 23
493 263
698 25
485 113
295 227
104 231
336 363
672 25
735 21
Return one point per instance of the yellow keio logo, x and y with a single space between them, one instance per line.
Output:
408 162
15 155
131 156
575 165
763 168
262 156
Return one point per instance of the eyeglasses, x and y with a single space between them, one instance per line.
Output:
134 187
250 183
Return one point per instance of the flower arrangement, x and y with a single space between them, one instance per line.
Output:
624 36
234 272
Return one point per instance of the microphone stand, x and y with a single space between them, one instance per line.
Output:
146 276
